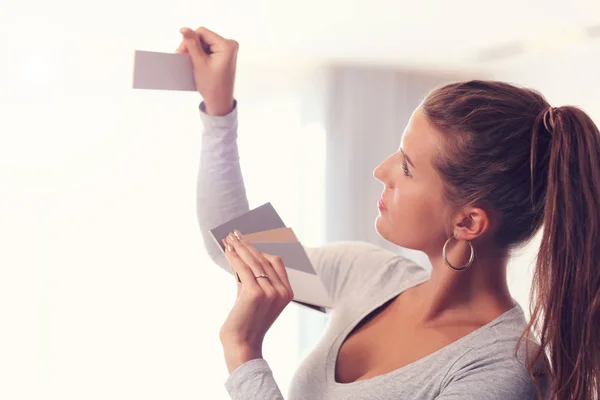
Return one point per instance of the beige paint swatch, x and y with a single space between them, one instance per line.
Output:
272 236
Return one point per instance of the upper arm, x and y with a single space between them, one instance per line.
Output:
492 373
491 385
344 266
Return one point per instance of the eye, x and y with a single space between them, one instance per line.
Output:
405 168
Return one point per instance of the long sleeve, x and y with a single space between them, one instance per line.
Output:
253 380
220 194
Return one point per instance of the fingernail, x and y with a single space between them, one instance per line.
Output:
186 32
229 248
233 237
237 234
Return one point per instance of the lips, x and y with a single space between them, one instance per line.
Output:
381 205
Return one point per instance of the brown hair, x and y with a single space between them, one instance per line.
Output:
505 148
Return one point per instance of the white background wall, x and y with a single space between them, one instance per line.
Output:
105 289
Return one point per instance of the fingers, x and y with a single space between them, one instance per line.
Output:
278 267
255 265
260 257
243 270
191 41
207 41
246 255
260 264
182 49
209 37
228 248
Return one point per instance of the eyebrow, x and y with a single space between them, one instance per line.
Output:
407 158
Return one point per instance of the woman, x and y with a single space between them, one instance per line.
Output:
481 167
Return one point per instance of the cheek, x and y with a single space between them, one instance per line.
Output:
413 218
411 208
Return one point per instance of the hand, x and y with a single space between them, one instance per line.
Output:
259 300
214 59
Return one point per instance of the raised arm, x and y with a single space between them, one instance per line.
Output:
221 194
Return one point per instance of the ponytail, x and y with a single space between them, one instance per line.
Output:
565 295
550 178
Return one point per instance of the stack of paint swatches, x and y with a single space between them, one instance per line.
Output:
264 229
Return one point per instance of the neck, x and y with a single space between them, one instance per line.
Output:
478 294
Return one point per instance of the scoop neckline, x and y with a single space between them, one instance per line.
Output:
333 354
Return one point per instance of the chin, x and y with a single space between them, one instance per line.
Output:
382 228
387 232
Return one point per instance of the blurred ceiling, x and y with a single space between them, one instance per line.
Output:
430 32
458 33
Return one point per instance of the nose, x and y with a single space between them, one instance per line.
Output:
378 172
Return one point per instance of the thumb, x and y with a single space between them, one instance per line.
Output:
194 47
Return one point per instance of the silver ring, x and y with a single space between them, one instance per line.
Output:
261 276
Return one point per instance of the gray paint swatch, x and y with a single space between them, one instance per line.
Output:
292 255
163 71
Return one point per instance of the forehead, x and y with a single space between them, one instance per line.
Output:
420 140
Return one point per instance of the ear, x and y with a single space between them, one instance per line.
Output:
471 223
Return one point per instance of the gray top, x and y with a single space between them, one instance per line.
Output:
360 277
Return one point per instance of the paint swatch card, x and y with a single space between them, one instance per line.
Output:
263 228
163 71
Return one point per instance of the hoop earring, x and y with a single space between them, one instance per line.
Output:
467 265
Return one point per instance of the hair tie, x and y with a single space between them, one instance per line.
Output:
548 119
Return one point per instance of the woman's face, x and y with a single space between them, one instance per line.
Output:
413 216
